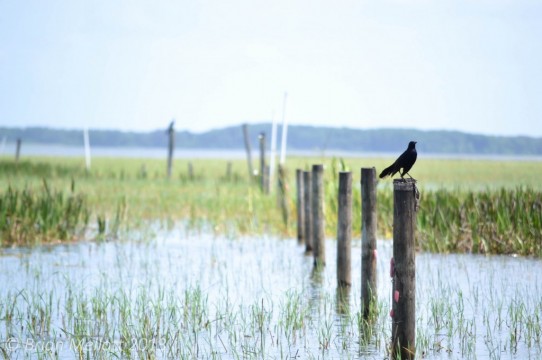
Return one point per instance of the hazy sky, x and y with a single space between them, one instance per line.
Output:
473 66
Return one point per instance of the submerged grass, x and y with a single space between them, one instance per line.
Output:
34 216
186 298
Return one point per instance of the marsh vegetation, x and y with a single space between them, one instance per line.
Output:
204 266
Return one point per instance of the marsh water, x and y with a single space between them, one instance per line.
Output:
194 295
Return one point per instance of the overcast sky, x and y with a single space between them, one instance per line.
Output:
473 66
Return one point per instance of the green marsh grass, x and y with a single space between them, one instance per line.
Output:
479 206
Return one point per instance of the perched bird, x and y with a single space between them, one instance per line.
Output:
405 162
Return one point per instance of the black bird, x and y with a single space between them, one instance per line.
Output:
405 162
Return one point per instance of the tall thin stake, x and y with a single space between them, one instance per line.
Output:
263 172
171 146
87 148
247 147
300 193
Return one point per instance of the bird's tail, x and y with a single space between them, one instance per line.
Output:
387 171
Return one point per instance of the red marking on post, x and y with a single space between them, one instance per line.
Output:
396 295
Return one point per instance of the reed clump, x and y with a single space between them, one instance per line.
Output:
31 216
501 221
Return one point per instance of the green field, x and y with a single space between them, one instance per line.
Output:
466 205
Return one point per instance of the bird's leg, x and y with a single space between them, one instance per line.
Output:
411 177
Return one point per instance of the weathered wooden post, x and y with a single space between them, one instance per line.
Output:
263 171
368 239
283 194
307 200
300 193
404 269
171 146
344 230
18 150
249 157
318 221
228 171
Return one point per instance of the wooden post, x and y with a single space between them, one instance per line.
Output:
18 150
249 157
318 221
404 272
228 171
283 194
300 192
263 172
307 200
368 239
344 230
171 146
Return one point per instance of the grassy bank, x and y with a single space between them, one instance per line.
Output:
484 206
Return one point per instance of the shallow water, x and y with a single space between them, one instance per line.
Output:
199 296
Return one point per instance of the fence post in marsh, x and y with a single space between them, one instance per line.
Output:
344 230
307 215
18 150
283 194
263 168
300 193
228 171
190 171
171 146
368 239
249 157
318 221
404 269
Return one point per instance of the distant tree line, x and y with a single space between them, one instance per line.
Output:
299 138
